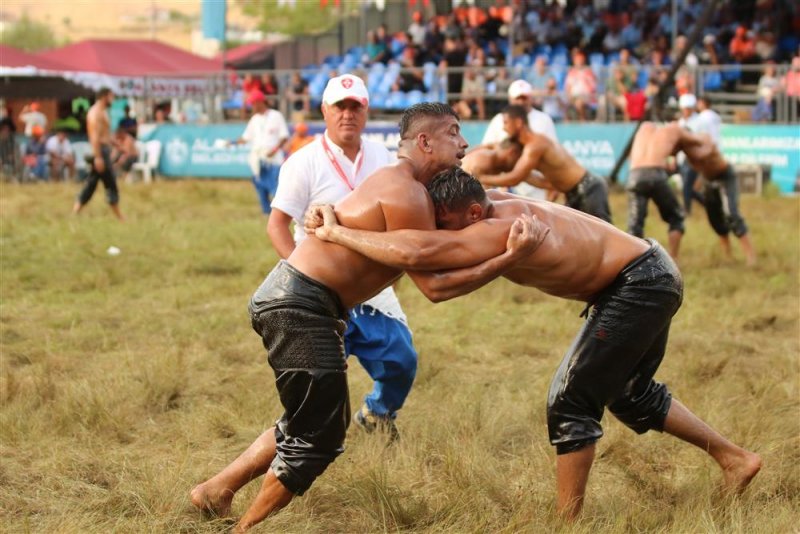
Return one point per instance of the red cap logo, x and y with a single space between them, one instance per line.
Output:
347 83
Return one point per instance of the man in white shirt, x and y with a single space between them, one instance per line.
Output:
323 172
31 116
266 132
521 93
690 120
61 155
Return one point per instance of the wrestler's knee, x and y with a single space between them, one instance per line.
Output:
571 428
644 411
737 225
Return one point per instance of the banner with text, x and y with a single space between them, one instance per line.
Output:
203 151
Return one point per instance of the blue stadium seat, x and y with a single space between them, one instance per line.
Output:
560 49
732 75
712 81
596 59
414 97
308 72
559 72
560 59
522 60
429 75
613 58
236 101
641 81
332 61
543 50
377 100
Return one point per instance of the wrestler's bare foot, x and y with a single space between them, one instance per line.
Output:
212 501
739 471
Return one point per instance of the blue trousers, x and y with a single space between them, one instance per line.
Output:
383 347
266 183
689 176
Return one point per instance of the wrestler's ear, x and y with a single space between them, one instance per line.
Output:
474 212
422 142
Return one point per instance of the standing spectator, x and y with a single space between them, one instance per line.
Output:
9 153
410 78
36 154
472 101
31 116
689 121
129 123
270 88
768 79
684 81
708 121
454 56
681 42
494 56
791 81
298 97
612 42
709 55
61 155
266 132
417 29
581 86
124 154
632 33
250 84
764 110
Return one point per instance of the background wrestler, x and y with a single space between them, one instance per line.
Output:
721 195
633 289
561 172
648 178
308 439
491 159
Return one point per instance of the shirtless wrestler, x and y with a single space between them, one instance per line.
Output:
558 169
632 287
300 311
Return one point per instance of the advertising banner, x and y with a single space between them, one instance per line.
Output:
202 151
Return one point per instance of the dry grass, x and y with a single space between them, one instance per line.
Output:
126 380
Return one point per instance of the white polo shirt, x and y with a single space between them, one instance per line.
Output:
264 132
308 177
61 148
538 122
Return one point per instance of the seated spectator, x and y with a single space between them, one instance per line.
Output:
61 155
9 154
454 56
636 104
624 79
129 122
682 42
709 54
377 49
764 111
473 91
632 33
32 117
124 152
299 138
498 88
494 56
538 77
553 102
161 115
250 84
742 47
766 46
298 97
35 158
612 42
411 78
580 86
270 88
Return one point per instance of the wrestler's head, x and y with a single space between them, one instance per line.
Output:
507 154
458 199
431 131
515 119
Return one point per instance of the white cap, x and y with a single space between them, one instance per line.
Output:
519 88
687 101
344 87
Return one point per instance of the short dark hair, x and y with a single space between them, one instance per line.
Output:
103 91
454 189
511 143
516 112
705 99
423 110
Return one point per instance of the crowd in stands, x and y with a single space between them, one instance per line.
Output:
583 62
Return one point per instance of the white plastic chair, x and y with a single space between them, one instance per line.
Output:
149 156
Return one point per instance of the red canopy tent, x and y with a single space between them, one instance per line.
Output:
27 76
14 58
129 58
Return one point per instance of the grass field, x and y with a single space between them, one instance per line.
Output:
128 379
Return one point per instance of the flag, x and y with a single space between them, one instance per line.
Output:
213 16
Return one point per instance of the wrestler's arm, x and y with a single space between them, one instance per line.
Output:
445 285
525 164
537 179
424 250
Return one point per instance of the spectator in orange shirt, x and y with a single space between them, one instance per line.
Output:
299 139
742 47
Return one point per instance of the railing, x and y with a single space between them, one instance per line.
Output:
731 88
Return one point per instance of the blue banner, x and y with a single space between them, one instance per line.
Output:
203 151
213 22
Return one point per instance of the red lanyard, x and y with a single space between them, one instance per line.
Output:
332 157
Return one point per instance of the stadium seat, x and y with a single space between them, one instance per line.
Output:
559 72
149 157
522 60
560 59
613 58
641 81
596 59
414 97
712 81
733 74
